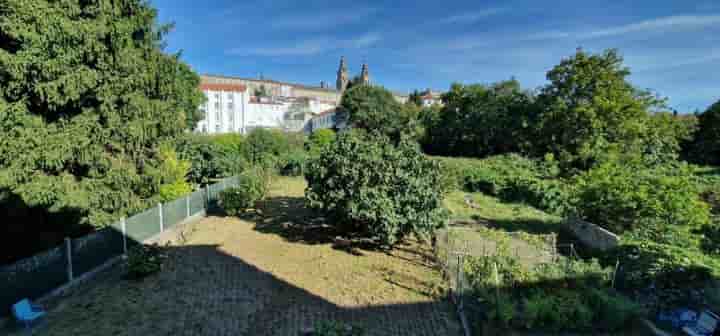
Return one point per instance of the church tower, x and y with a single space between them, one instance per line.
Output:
342 76
365 75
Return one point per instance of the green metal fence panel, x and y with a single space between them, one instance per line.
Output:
95 249
197 202
32 277
143 225
174 212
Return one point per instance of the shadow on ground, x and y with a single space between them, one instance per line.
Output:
203 290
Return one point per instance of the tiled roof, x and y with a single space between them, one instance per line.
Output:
270 81
223 87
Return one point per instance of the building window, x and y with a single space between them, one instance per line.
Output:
230 96
231 106
218 129
217 105
218 115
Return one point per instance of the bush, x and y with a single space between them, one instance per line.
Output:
144 260
293 164
373 188
663 267
625 197
263 146
252 187
318 140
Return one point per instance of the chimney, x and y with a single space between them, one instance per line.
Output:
322 84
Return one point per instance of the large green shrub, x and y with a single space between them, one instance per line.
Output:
376 189
252 186
623 196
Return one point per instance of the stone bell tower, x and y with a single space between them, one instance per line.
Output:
365 75
342 76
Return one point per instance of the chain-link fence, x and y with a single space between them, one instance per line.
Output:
38 275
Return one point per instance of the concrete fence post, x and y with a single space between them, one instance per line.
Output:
68 252
162 224
187 206
207 197
123 225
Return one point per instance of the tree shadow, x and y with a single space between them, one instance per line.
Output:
203 290
291 219
27 229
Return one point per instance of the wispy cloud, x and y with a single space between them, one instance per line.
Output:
324 19
471 17
663 24
309 47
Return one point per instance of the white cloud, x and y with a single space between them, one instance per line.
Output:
663 24
309 47
322 19
471 17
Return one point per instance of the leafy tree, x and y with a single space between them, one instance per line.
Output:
86 96
263 147
589 107
706 145
261 92
479 120
318 140
377 189
375 109
415 98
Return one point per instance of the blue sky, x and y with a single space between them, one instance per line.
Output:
671 46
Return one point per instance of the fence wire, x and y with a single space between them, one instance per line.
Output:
38 275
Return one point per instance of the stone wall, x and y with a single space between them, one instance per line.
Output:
592 235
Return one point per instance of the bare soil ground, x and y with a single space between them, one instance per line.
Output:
275 272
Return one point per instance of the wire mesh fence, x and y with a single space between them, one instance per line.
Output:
471 257
38 275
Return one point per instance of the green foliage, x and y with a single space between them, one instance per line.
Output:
478 120
293 163
589 108
376 189
564 295
263 146
705 148
253 185
86 97
564 309
624 196
318 140
374 109
144 260
334 328
514 178
173 173
671 272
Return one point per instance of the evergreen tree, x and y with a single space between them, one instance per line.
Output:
86 97
706 146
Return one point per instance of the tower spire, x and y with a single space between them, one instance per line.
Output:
365 74
342 75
